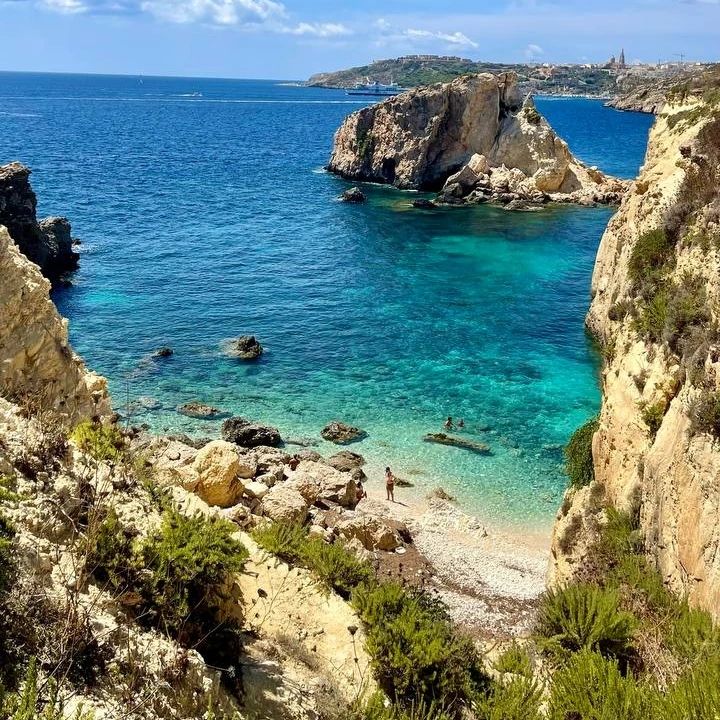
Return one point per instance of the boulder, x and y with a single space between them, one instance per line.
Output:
162 352
445 439
172 463
424 203
311 455
285 504
246 347
353 195
346 461
341 433
256 489
322 482
217 465
198 410
247 434
373 533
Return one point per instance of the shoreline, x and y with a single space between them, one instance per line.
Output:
489 576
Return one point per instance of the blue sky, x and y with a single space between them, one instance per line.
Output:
290 39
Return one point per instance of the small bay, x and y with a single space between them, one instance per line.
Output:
205 214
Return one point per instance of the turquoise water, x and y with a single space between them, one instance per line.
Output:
206 217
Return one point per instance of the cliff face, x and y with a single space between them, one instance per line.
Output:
474 138
36 360
656 312
46 242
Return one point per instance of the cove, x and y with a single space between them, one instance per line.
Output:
204 217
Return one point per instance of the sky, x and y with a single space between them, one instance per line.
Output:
291 39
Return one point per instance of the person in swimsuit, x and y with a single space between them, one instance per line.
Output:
448 423
390 484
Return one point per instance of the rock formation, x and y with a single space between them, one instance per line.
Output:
341 433
48 243
37 363
474 138
656 312
249 434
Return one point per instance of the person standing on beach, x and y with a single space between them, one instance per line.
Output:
390 484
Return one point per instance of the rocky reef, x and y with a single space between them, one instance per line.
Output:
48 243
474 139
656 313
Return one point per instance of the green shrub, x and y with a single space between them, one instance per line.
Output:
176 577
377 708
705 413
7 554
591 687
584 617
653 415
515 661
650 259
417 655
687 309
286 540
696 694
338 568
518 698
692 635
189 559
103 443
652 316
578 454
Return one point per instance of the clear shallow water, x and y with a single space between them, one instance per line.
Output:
206 217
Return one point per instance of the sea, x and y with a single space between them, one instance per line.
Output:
205 213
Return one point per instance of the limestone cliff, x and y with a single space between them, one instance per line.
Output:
36 361
47 242
655 311
474 138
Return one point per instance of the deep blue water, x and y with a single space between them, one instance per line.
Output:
204 217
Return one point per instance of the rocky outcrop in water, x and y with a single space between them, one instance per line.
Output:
656 312
48 243
474 138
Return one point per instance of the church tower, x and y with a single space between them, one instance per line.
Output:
622 58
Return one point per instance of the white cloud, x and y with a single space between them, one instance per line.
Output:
67 7
216 12
456 39
533 52
322 30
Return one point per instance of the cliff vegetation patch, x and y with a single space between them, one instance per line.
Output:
578 454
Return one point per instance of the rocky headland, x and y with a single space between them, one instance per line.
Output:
48 243
474 140
656 313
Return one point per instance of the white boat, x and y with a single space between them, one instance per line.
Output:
375 89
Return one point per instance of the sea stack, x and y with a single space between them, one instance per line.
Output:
48 243
474 139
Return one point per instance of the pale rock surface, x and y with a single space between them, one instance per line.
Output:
284 503
672 479
457 136
35 356
217 465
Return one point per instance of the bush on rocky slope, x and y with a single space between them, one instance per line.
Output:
578 454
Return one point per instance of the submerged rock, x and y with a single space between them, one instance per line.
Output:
341 433
248 434
163 352
346 461
353 195
445 439
424 203
198 410
246 347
